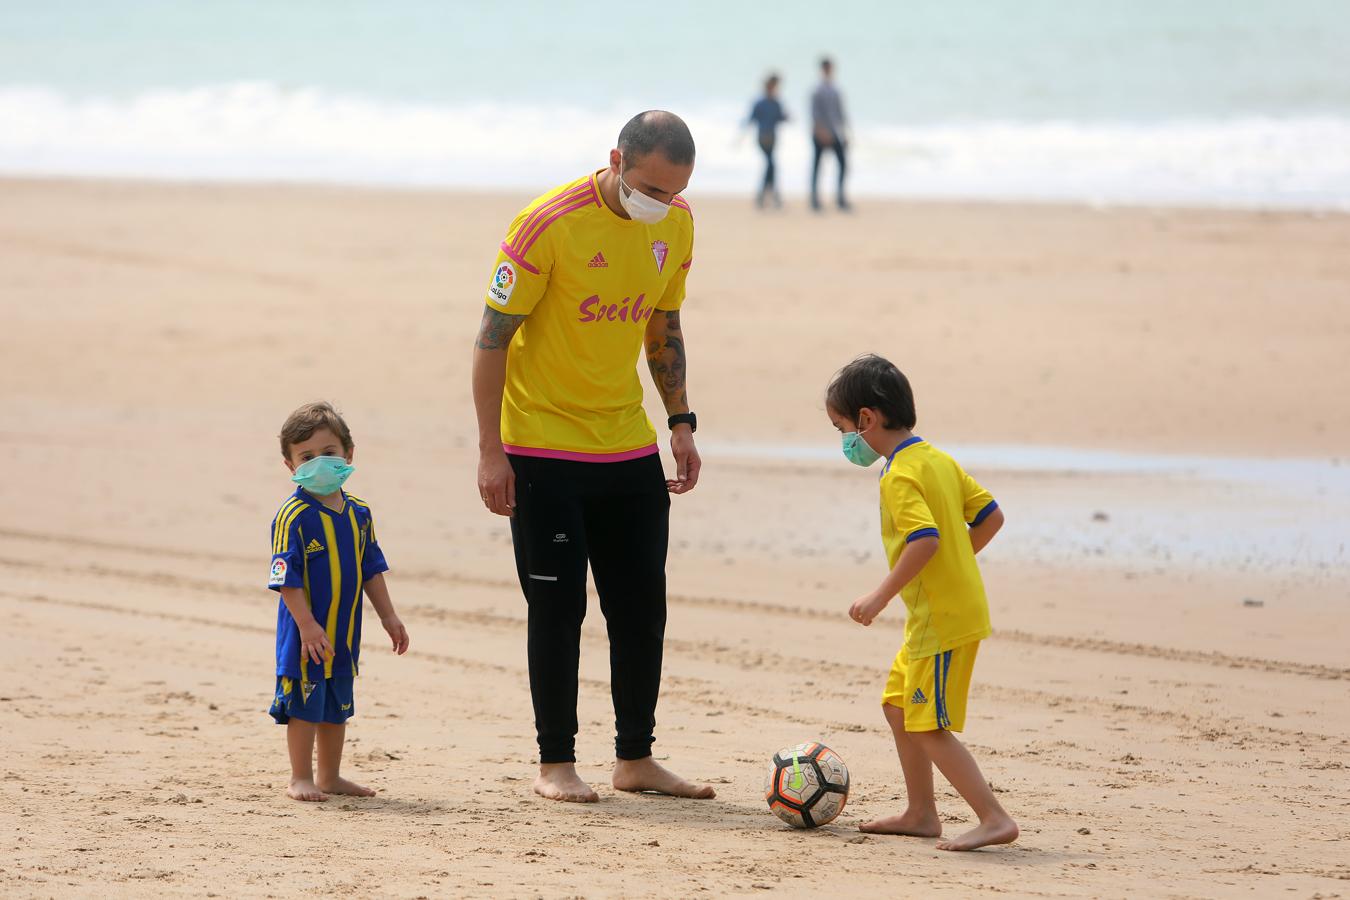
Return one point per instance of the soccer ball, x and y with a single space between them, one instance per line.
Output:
807 785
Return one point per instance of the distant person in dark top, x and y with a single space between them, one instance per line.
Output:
827 130
766 114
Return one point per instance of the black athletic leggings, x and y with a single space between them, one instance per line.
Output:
615 516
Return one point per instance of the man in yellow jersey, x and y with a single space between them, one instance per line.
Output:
589 274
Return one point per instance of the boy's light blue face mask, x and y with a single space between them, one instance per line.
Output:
323 475
857 451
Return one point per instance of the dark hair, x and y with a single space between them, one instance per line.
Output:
301 425
657 129
826 63
872 382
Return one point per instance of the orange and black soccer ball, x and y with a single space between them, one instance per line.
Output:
807 785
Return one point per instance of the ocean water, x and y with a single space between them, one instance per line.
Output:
1268 516
1244 102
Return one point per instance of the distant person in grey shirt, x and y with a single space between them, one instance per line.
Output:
766 115
827 130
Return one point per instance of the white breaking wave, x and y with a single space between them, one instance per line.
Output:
263 132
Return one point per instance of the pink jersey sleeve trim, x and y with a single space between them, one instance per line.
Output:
557 214
530 227
518 259
687 263
577 456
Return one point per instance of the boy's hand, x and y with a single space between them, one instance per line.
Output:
397 633
867 608
314 643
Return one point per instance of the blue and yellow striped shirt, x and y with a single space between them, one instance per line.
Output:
330 555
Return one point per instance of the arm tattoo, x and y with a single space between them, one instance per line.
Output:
665 358
497 329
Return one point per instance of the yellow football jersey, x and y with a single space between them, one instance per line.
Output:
588 282
925 492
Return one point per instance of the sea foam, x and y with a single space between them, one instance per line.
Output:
260 131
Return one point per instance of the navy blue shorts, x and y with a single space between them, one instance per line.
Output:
328 701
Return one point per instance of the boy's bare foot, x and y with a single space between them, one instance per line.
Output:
350 788
1001 830
914 824
636 775
560 781
304 789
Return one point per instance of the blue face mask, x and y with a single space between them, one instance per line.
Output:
323 475
857 452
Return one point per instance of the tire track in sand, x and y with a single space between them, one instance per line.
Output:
749 607
705 691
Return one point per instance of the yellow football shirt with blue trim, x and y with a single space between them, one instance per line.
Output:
926 493
329 554
587 281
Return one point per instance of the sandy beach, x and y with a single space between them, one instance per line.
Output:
1156 397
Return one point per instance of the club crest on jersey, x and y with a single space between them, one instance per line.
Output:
503 283
278 572
660 249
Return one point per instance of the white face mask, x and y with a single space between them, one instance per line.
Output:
639 206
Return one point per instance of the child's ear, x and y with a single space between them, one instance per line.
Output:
290 465
350 453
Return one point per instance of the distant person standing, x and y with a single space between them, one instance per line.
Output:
827 130
767 114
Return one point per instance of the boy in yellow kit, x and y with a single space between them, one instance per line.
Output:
934 519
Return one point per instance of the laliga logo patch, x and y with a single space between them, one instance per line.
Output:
660 251
278 572
503 282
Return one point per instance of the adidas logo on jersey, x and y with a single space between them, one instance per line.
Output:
918 697
314 547
598 262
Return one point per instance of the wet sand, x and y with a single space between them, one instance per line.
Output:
1162 705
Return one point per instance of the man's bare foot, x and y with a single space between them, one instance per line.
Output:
304 789
1000 830
910 822
560 781
636 775
350 788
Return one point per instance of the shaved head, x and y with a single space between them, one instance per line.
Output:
657 131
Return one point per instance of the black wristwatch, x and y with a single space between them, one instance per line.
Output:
683 419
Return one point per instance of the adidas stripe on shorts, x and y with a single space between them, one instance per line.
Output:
932 689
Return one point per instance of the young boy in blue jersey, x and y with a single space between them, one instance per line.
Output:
324 557
934 519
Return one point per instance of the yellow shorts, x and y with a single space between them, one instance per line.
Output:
932 690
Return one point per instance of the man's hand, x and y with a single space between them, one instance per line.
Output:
867 608
497 482
687 462
393 626
314 643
